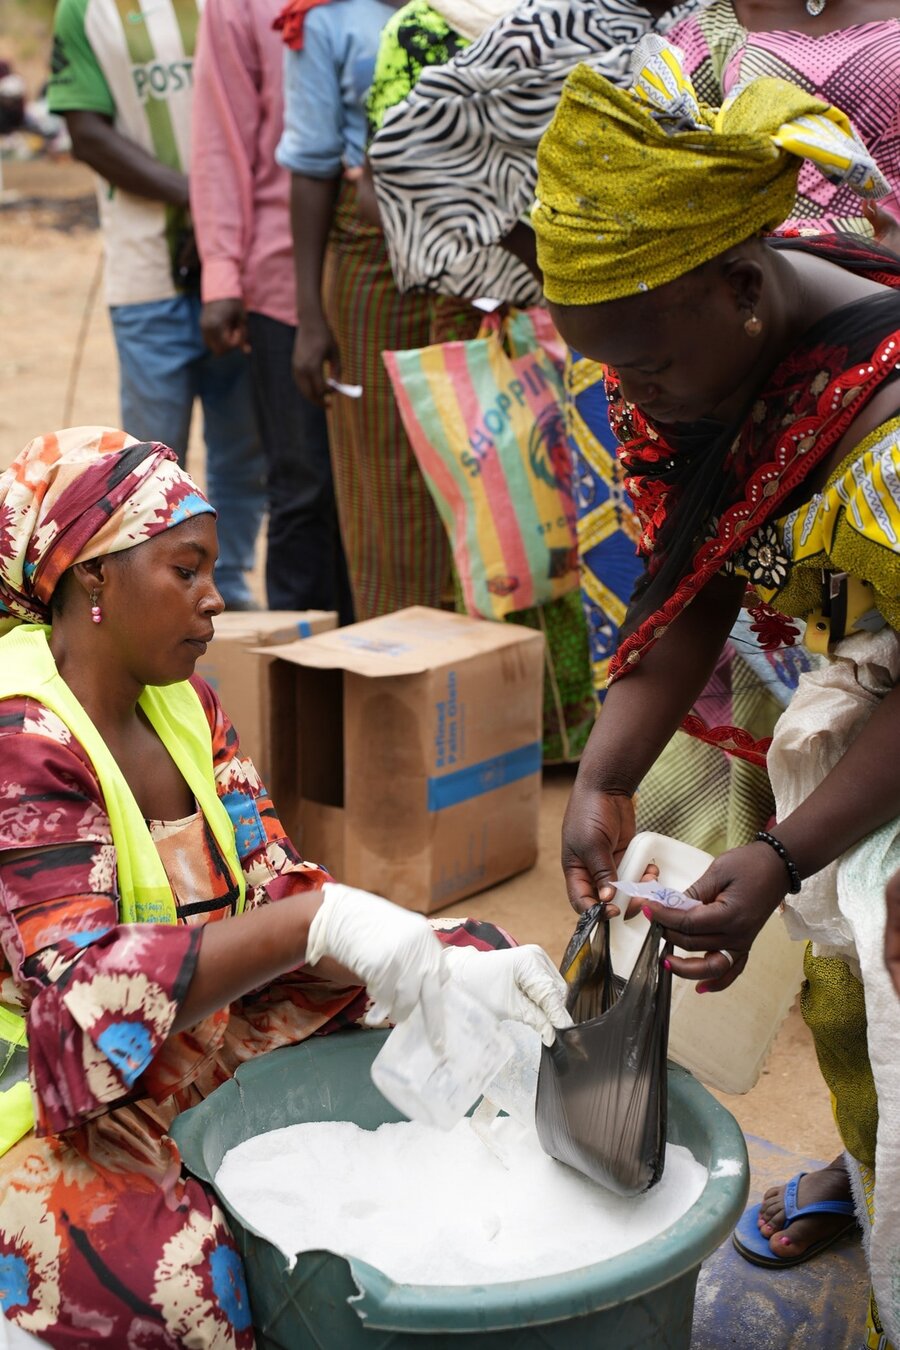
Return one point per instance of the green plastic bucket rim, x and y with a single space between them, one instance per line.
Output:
387 1305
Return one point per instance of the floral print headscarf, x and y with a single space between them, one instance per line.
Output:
78 494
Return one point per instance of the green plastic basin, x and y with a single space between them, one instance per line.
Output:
643 1298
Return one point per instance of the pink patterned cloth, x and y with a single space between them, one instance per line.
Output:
857 69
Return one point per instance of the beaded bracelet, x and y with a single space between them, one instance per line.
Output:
764 837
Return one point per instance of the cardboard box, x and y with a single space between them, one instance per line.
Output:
239 674
408 756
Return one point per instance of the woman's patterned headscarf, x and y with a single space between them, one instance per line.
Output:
80 494
636 188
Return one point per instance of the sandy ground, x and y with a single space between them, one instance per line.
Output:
58 362
58 367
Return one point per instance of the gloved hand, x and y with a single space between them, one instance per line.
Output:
392 951
520 983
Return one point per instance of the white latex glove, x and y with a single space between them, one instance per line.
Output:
519 983
392 951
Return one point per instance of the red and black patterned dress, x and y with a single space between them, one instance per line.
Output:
103 1241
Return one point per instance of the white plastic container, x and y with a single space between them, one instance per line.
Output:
437 1086
722 1038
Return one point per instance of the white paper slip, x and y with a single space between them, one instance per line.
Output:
486 303
652 890
351 390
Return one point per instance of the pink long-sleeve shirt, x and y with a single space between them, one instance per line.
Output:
239 195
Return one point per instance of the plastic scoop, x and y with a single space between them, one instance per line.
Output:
513 1090
437 1085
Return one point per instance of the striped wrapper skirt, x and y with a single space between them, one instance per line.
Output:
396 546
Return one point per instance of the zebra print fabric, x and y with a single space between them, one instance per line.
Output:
454 165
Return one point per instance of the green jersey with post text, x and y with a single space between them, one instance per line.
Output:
132 61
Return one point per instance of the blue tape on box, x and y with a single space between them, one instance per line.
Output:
474 781
304 628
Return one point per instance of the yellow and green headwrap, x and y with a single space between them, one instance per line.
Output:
635 188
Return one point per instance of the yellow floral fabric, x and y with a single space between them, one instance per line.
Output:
636 188
852 525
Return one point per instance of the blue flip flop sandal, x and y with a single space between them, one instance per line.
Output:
753 1246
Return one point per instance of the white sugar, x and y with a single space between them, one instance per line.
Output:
428 1207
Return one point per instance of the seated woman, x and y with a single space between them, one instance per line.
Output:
758 408
157 926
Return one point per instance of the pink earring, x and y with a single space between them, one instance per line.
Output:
96 612
753 326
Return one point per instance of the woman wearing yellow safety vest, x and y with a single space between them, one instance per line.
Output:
146 887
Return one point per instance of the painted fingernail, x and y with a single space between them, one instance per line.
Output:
647 911
701 989
785 1242
667 964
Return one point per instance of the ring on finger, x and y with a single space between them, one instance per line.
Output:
728 957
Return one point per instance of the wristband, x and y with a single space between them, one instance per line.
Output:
763 837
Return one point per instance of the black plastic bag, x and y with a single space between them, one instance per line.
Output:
602 1086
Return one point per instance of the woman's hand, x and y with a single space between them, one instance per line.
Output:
520 983
597 829
315 346
390 950
738 893
886 226
640 715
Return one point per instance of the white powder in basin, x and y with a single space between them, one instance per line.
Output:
428 1207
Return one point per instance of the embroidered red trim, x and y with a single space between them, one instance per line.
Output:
733 740
800 447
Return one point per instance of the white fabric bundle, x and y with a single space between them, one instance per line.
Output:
842 910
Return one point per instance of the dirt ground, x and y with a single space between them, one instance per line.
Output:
58 367
58 364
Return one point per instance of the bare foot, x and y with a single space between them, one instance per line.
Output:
829 1183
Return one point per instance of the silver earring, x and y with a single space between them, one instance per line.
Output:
753 326
814 7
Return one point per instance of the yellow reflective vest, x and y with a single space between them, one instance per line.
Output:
27 669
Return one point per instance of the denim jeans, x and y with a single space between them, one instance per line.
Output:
164 366
305 567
